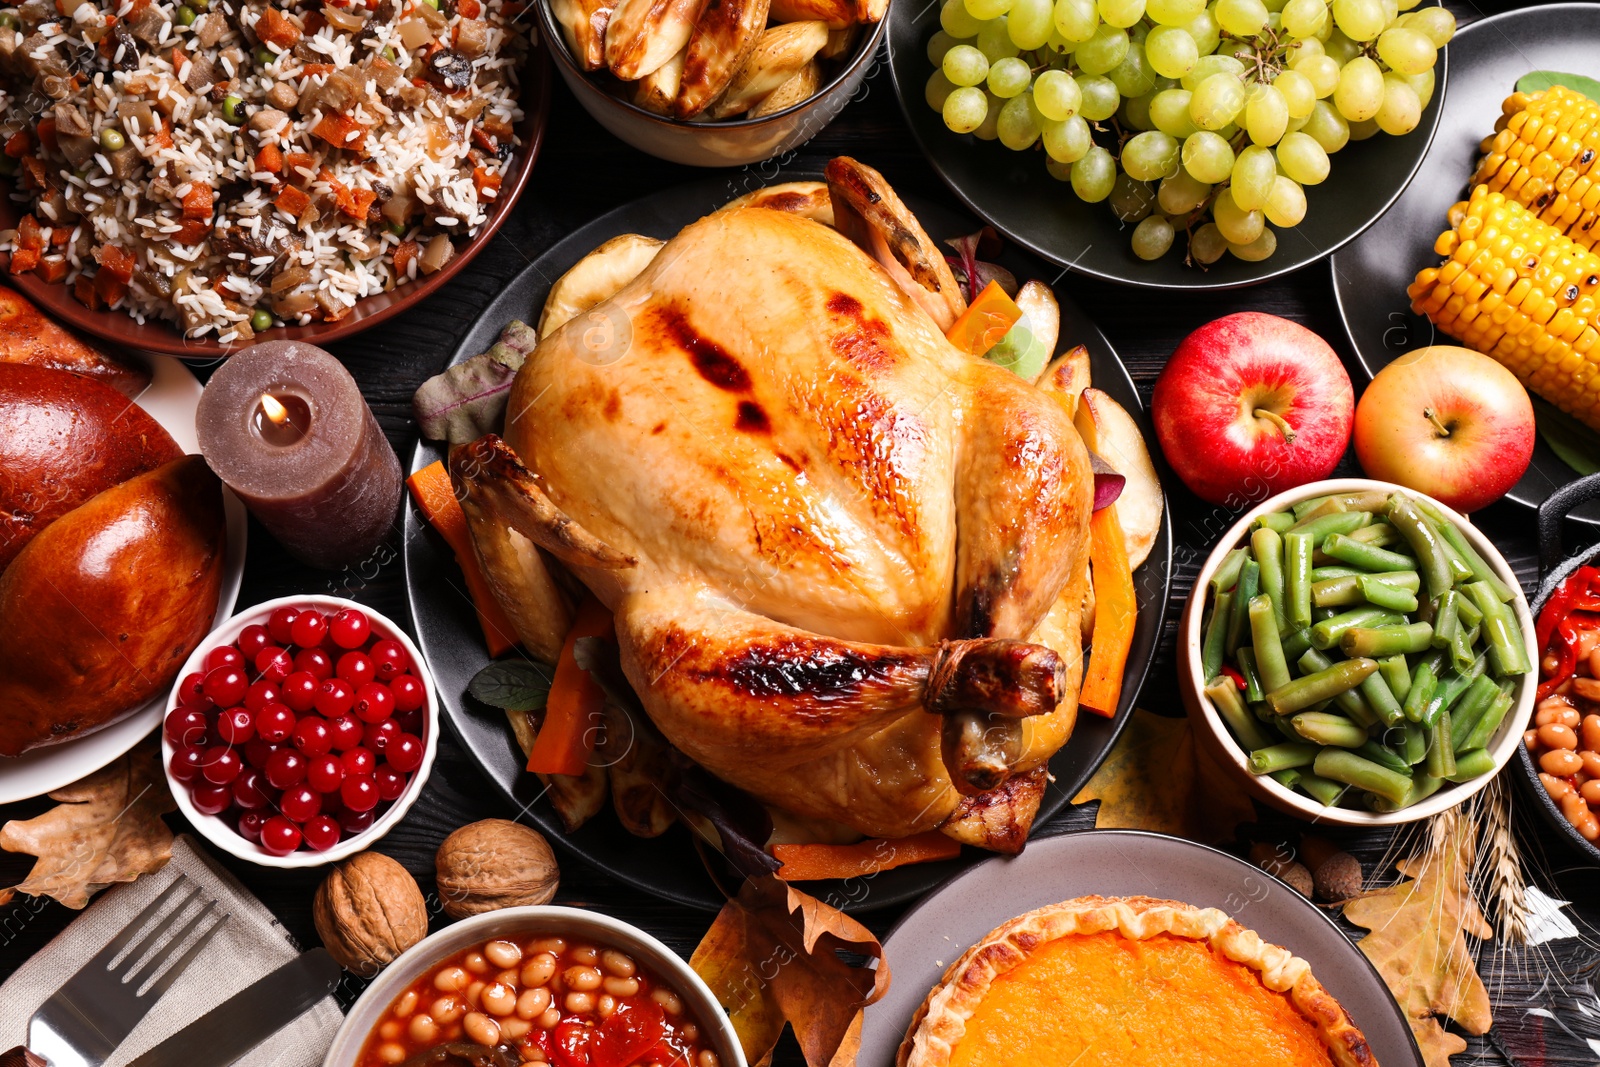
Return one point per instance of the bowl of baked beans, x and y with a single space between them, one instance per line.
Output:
537 985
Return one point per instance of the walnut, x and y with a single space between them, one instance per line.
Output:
494 864
368 911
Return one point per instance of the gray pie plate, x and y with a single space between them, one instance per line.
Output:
1114 863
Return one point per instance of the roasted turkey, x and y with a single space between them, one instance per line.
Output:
846 560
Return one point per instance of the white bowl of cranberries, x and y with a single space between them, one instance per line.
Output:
301 731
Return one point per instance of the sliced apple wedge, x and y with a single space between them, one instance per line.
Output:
1110 432
598 276
1067 377
1043 312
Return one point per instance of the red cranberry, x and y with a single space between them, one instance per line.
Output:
249 790
273 664
347 733
220 765
312 736
354 822
285 769
378 735
185 763
359 792
349 628
390 782
389 660
279 836
300 803
260 694
186 726
404 753
373 702
315 662
253 639
355 668
192 690
280 624
309 629
257 751
250 826
225 685
236 726
408 692
299 691
359 761
324 773
321 833
211 799
223 656
274 722
335 697
410 721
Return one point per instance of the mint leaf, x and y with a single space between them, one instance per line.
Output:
1574 443
513 685
1540 80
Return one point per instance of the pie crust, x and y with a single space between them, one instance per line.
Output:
941 1022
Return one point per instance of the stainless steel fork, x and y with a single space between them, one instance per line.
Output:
88 1017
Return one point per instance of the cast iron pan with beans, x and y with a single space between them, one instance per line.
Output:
1554 571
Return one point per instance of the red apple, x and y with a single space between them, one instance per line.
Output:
1448 422
1250 405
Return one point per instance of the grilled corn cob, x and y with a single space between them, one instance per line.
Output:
1514 288
1545 154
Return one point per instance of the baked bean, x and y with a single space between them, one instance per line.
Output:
1549 664
451 980
498 999
621 987
512 1029
408 1000
550 1018
533 1002
668 1000
389 1052
1591 762
622 965
475 993
390 1029
1579 778
707 1058
1555 735
1560 762
448 1008
476 963
1590 732
1587 639
502 954
583 979
578 1003
555 946
690 1032
1576 811
537 971
423 1031
1591 791
584 954
1530 740
605 1004
482 1029
1556 787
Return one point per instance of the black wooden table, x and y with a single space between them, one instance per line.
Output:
584 172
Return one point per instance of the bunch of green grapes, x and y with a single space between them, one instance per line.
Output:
1206 119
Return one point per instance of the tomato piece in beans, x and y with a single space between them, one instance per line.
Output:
1565 738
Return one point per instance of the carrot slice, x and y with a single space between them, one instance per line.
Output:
810 863
436 498
293 202
986 320
572 710
269 160
1115 613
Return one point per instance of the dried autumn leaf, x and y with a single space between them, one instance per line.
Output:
770 958
1157 778
1418 944
105 829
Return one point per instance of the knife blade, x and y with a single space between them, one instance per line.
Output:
249 1017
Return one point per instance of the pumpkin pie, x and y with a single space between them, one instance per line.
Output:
1130 982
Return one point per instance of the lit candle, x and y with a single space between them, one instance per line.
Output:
284 425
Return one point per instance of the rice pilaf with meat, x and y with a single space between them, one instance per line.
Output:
230 165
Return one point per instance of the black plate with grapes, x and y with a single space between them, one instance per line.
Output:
1064 127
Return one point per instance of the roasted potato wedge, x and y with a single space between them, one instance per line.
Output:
779 54
596 277
577 799
1067 377
1111 433
723 40
809 199
655 91
836 13
871 10
797 90
638 764
840 41
644 34
584 22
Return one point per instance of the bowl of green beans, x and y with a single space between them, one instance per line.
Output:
1359 653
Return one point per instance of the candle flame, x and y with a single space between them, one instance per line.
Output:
272 409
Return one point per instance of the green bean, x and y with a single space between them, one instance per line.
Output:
1446 619
1381 699
1301 693
1372 500
1424 540
1472 764
1318 507
1297 579
1324 791
1378 641
1418 781
1456 682
1461 645
1319 528
1249 585
1378 535
1489 721
1383 756
1282 757
1347 589
1269 649
1508 655
1459 570
1347 767
1441 759
1322 574
1424 680
1397 673
1383 595
1267 548
1414 745
1326 634
1227 572
1277 522
1310 503
1295 645
1288 778
1366 557
1341 592
1216 636
1351 702
1470 615
1224 696
1481 570
1322 728
1470 708
1253 692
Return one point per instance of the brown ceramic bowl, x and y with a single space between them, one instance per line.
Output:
163 338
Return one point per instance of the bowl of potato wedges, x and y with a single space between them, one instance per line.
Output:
713 83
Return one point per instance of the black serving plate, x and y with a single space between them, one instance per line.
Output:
1012 191
1370 276
447 629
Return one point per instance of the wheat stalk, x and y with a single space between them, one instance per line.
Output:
1505 884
